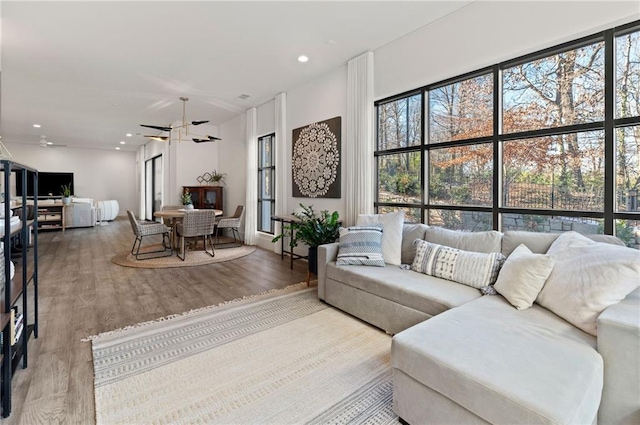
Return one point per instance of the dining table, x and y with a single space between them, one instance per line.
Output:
175 216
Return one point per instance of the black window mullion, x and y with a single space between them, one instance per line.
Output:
609 139
424 138
497 151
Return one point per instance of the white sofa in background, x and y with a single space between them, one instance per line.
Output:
80 213
479 360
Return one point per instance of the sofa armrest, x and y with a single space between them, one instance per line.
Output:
326 254
619 346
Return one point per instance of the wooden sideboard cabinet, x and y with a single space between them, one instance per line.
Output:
206 197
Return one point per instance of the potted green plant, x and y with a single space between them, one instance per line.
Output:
186 199
313 230
217 178
66 194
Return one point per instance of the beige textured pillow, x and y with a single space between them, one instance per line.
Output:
522 276
587 278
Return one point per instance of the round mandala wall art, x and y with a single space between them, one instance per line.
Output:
316 160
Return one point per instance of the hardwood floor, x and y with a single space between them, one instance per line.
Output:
82 293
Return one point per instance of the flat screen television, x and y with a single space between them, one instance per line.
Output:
49 184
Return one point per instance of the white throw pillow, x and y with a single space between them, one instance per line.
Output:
391 233
522 276
588 277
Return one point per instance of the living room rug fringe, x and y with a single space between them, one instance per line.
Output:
295 286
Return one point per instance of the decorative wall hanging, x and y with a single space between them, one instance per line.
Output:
212 177
316 160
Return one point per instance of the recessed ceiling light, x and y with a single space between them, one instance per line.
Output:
118 148
122 142
49 143
302 58
37 126
129 134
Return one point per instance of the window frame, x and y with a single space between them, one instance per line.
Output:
272 185
609 125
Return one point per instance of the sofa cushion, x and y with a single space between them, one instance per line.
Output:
411 232
360 246
588 277
490 241
475 269
540 243
391 233
505 365
523 275
427 294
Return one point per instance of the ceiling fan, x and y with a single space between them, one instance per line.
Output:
44 143
185 125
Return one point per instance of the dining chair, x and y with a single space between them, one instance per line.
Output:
140 230
195 224
231 222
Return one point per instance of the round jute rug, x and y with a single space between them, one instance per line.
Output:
193 258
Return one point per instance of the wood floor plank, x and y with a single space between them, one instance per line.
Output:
83 293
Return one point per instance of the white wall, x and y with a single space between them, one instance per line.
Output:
488 32
319 100
266 118
98 174
193 160
232 160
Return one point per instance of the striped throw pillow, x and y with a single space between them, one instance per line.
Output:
360 245
473 269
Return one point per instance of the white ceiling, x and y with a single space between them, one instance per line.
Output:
89 72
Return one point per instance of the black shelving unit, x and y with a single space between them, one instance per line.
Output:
26 273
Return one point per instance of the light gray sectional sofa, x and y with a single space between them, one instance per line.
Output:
479 360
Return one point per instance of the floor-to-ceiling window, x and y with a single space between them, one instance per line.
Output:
548 142
266 183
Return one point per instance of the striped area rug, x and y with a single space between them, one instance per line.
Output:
280 359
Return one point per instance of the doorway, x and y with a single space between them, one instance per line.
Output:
153 186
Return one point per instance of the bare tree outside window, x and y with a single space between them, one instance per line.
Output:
563 89
399 123
463 110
